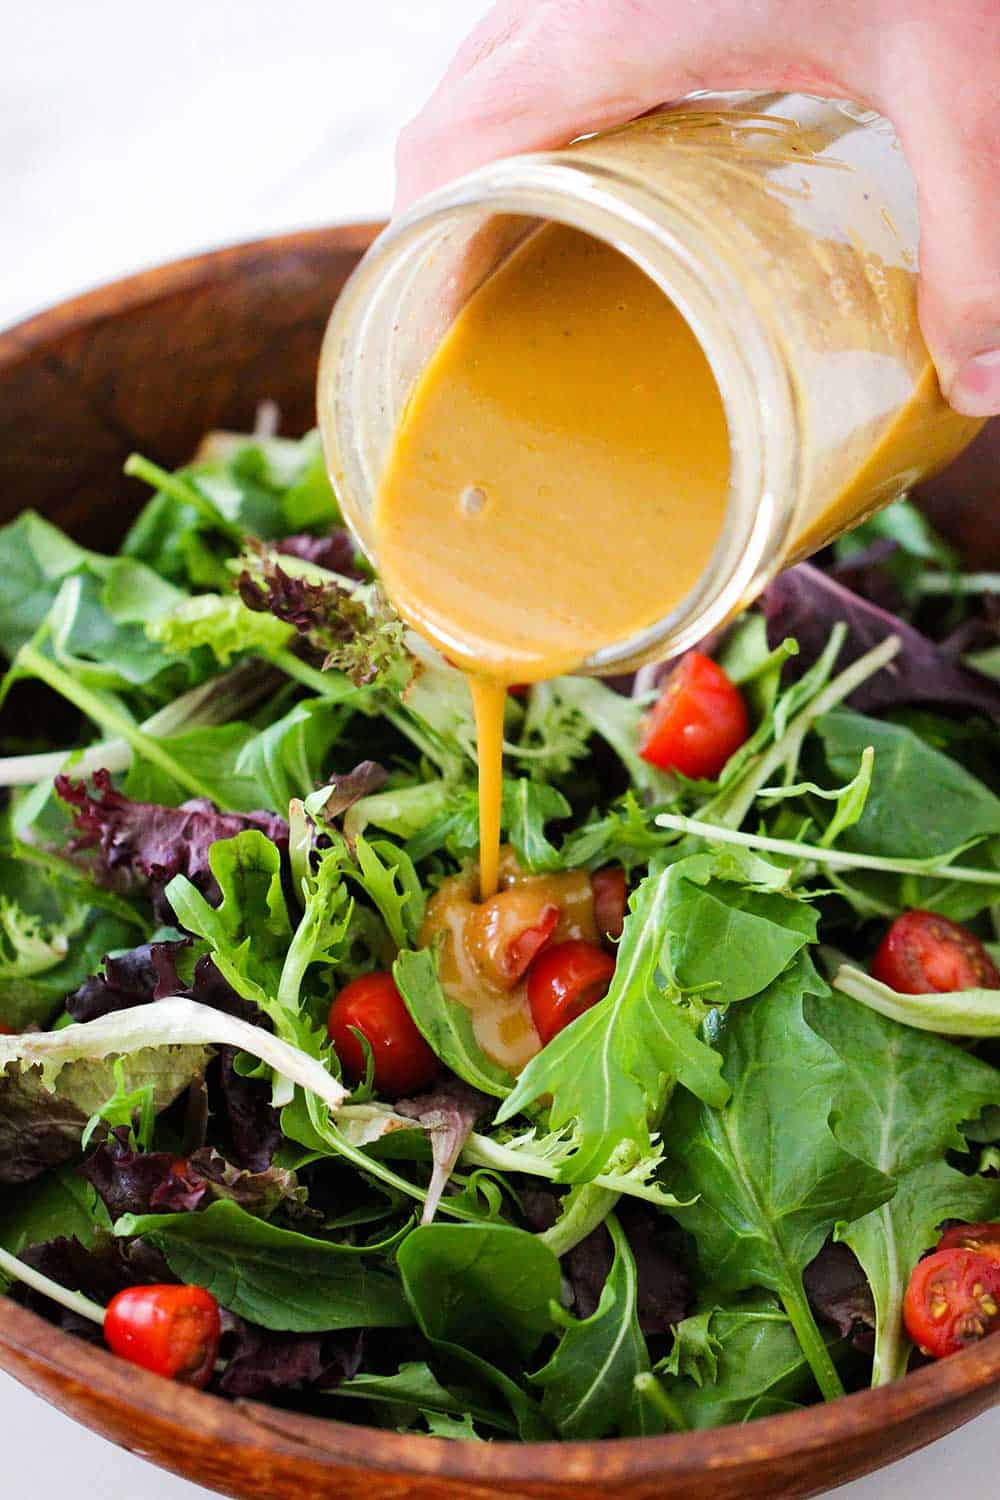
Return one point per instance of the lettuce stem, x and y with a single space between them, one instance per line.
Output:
108 718
73 1301
811 1341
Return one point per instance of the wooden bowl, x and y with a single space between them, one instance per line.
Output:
151 363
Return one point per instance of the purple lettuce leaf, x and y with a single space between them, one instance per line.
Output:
141 1182
336 551
367 777
145 973
838 1293
144 845
664 1293
338 628
806 604
261 1362
448 1113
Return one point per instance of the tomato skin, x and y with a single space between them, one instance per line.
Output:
984 1239
171 1330
952 1300
610 900
922 953
507 931
373 1005
698 721
564 981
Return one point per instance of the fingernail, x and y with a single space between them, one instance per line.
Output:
975 391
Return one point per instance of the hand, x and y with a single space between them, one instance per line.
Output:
536 73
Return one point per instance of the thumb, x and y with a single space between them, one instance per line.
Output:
955 153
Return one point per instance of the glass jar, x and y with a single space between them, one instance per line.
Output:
784 229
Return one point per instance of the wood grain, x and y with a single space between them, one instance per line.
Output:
151 363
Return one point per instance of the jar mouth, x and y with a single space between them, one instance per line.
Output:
680 254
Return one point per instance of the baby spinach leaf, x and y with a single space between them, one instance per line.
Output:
487 1287
902 1099
445 1024
480 1291
35 557
415 1384
60 1203
757 1365
921 803
730 936
588 1384
768 1178
275 1277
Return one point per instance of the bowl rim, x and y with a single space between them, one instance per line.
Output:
964 1384
331 1442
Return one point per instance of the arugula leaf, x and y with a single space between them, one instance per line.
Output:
274 1277
608 1071
755 1367
487 1287
616 719
589 1381
921 803
527 807
903 1096
444 1024
768 1178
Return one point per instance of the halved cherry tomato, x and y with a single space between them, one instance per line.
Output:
171 1330
923 952
510 929
610 897
373 1005
984 1239
952 1300
564 981
698 721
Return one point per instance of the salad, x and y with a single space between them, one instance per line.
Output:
696 1120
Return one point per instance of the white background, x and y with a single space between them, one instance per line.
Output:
133 131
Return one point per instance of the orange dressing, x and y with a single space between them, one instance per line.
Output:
558 480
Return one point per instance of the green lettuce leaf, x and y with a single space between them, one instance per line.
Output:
275 1277
903 1096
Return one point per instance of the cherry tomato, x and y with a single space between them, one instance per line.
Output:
951 1301
6 1030
171 1330
610 897
564 981
923 952
698 721
510 929
984 1239
373 1005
